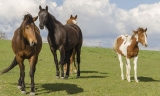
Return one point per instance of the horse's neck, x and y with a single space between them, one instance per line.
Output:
134 43
53 24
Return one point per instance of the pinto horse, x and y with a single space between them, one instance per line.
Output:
127 46
26 44
62 37
71 20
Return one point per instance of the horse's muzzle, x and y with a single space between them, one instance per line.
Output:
145 45
41 26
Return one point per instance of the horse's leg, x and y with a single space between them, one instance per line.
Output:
67 59
73 59
135 68
78 50
128 69
33 62
55 61
21 82
121 65
65 68
62 60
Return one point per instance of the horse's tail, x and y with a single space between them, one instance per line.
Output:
115 44
13 64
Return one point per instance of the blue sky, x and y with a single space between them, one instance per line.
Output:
99 20
129 4
124 4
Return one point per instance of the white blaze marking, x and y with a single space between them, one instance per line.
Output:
145 39
74 21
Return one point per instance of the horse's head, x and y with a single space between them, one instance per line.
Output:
72 20
28 29
141 36
43 16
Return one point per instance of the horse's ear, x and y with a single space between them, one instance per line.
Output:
76 17
135 32
71 16
35 18
145 29
47 8
40 8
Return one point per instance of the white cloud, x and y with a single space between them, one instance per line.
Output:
98 19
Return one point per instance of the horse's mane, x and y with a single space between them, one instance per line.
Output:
29 19
138 30
53 19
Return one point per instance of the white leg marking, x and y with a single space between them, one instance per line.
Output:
121 65
128 69
135 68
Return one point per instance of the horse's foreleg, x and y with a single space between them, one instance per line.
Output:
33 62
21 83
55 61
135 68
121 65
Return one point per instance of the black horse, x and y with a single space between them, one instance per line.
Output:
62 37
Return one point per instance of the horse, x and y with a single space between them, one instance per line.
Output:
71 20
63 38
26 44
127 46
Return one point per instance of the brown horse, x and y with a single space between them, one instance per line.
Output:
127 46
26 44
63 38
72 20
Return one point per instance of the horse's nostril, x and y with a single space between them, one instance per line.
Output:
33 43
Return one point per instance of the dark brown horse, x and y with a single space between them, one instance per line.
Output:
26 44
62 37
72 20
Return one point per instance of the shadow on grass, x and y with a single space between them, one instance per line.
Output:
89 71
93 72
93 76
147 79
53 87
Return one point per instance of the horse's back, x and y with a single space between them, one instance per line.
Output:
78 34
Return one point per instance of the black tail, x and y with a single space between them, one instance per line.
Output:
13 64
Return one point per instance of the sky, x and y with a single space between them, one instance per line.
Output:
100 20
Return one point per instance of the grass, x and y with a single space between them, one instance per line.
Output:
100 74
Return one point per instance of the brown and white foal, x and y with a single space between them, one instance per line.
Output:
127 46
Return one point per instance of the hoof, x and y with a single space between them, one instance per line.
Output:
137 81
66 76
78 76
23 92
62 78
19 87
57 77
32 94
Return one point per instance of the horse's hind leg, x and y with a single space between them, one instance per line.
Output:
128 69
78 50
33 62
67 59
121 65
73 59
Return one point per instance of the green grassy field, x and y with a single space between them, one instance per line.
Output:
100 74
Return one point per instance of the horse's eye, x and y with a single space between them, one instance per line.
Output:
27 27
